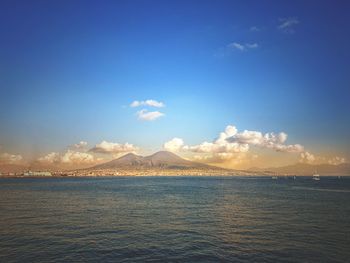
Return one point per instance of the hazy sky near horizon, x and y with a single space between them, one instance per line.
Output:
70 70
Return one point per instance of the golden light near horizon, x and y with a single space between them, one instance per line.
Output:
174 131
88 94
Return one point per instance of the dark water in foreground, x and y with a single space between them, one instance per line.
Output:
177 219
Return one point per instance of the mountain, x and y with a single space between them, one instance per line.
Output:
309 169
128 160
162 159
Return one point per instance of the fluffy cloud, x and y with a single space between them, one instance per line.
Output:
267 140
80 145
337 160
230 144
242 47
253 45
233 141
229 132
113 148
10 158
221 144
174 145
209 147
287 24
69 157
52 157
151 103
146 115
236 46
73 157
307 157
295 148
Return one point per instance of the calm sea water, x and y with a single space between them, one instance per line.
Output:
174 219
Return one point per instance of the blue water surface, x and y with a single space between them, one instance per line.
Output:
174 219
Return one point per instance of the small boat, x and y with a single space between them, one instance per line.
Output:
274 177
316 177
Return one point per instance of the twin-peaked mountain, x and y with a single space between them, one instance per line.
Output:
168 160
162 159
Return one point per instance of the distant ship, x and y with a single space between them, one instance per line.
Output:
316 177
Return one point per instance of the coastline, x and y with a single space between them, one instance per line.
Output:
280 177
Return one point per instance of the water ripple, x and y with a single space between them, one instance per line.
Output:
173 219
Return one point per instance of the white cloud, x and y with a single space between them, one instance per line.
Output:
249 137
73 157
231 143
337 160
135 103
52 157
294 148
69 157
242 47
237 46
174 145
220 145
252 45
267 140
146 115
287 24
10 158
209 147
151 103
229 131
113 148
306 157
80 145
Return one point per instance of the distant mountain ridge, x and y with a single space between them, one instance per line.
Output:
309 169
168 160
162 159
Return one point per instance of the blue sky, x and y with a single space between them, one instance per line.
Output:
70 69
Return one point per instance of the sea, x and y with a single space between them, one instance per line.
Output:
175 219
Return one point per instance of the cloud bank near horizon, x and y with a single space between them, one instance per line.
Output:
234 146
231 145
10 158
106 147
80 156
232 141
70 157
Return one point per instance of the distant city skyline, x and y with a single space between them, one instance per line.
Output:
234 84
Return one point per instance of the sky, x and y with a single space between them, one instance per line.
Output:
236 83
